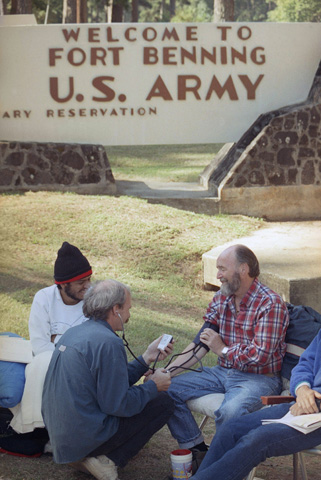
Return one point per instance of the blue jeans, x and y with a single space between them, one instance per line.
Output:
244 443
242 395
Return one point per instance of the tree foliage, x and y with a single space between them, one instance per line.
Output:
252 10
296 11
192 11
171 10
203 10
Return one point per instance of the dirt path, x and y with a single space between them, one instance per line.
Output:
152 463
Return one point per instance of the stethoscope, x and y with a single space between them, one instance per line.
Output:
167 367
126 344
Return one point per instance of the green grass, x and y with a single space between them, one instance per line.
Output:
163 163
154 249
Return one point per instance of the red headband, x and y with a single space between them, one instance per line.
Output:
74 279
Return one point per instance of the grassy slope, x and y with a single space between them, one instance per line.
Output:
164 163
155 249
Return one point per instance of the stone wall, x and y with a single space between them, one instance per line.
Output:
286 152
274 170
55 167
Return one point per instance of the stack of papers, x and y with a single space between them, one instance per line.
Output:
303 423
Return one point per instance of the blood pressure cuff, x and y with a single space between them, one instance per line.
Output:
197 339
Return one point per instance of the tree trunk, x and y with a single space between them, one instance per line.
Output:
117 13
3 7
83 12
223 11
162 9
75 11
78 10
13 9
69 14
21 7
172 8
135 11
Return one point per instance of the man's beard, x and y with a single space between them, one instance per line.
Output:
71 295
228 288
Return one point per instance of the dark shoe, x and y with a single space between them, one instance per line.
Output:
5 418
198 457
29 444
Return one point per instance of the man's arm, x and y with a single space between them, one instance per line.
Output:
213 341
39 326
196 350
186 359
115 395
303 383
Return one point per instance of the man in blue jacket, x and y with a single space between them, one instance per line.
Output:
243 443
96 417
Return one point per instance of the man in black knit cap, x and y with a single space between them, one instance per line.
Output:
59 307
54 310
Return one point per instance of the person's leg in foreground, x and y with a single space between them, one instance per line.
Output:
133 433
244 443
184 387
243 393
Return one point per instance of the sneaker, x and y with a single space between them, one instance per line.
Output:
100 467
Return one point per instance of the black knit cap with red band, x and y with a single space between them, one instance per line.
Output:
70 265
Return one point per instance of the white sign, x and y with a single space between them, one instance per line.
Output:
134 84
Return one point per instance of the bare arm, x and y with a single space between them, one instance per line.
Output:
187 359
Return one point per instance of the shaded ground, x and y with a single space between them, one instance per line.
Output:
152 463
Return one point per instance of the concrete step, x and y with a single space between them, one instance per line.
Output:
148 189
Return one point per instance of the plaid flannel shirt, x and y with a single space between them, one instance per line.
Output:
255 336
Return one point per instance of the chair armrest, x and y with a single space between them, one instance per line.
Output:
276 399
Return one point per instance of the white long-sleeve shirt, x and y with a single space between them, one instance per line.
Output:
49 316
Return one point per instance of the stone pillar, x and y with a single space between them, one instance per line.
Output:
274 170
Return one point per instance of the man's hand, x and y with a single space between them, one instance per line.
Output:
152 351
305 401
162 378
212 339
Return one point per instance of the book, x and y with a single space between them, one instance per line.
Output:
303 423
15 349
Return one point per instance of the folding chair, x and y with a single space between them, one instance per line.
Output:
207 405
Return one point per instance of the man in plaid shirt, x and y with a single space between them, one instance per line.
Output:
245 326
